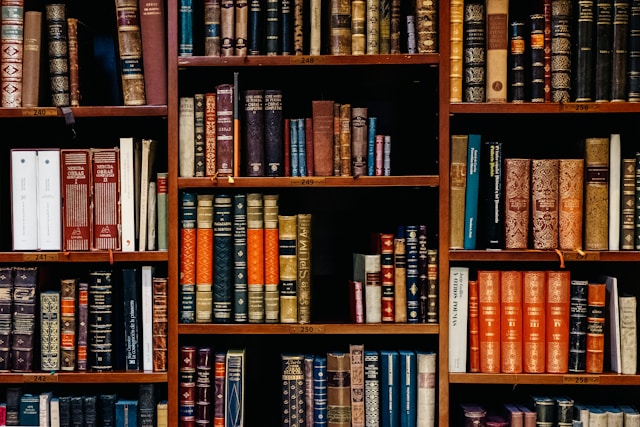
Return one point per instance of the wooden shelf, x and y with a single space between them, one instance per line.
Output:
545 108
98 256
83 377
536 256
311 181
309 329
111 111
547 379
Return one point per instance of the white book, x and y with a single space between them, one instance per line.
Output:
615 165
631 416
366 269
613 313
628 334
186 137
152 219
54 412
426 400
458 316
146 168
147 317
44 411
127 195
24 201
49 201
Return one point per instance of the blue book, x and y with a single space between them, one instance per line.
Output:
320 391
30 409
371 387
371 146
187 307
127 413
302 148
413 288
185 37
293 131
234 388
408 388
223 258
389 389
240 291
471 196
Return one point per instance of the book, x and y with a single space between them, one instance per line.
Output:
32 43
628 337
457 190
154 59
517 189
204 376
612 313
558 300
147 173
304 257
374 25
561 50
288 250
366 269
254 132
458 317
322 113
274 133
234 387
293 388
544 203
340 27
130 49
400 276
255 257
204 262
534 283
146 308
408 405
456 47
320 389
74 67
585 51
127 412
68 321
578 326
497 30
371 387
147 402
224 127
308 389
131 301
185 28
106 198
223 258
255 39
356 301
100 326
29 409
516 66
474 48
603 54
187 261
389 388
58 53
162 189
271 259
127 195
471 191
345 139
162 413
570 203
493 200
596 194
537 52
359 140
489 290
210 132
426 388
76 184
338 389
49 202
160 325
240 314
187 370
387 277
620 50
634 53
199 142
358 27
511 358
474 327
24 202
186 136
50 330
83 319
356 373
627 205
615 180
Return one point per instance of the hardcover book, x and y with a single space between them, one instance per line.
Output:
154 46
130 48
561 50
210 132
489 320
474 47
596 198
516 66
203 259
255 257
372 376
159 328
359 141
11 43
570 206
223 258
199 134
356 368
320 389
234 388
628 337
400 276
147 174
497 18
24 199
390 388
68 320
83 320
271 259
457 189
50 330
511 359
187 371
584 42
240 314
127 412
408 391
74 67
474 327
308 389
426 388
274 133
615 177
387 277
254 132
186 136
558 294
536 49
31 58
100 357
322 112
187 261
578 326
471 191
627 209
366 269
58 54
293 389
106 198
517 183
287 235
131 306
204 378
146 304
76 184
612 314
304 257
493 208
49 205
147 401
338 389
544 203
224 128
620 50
456 46
185 30
458 317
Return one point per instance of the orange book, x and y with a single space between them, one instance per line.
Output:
271 259
388 276
204 257
489 320
511 322
474 343
596 298
255 257
534 285
557 321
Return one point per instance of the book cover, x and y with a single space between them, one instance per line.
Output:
227 27
320 389
58 53
76 184
372 387
234 388
83 320
615 181
210 132
254 132
471 191
293 389
29 409
304 257
400 276
408 390
130 49
536 50
224 127
596 194
204 377
627 209
74 67
338 389
340 27
288 247
68 322
516 66
474 48
31 58
561 50
489 320
222 258
147 401
345 139
186 136
154 47
628 333
160 324
24 200
271 259
162 210
612 314
240 314
578 326
474 327
185 28
511 359
517 189
426 362
544 203
570 203
187 371
497 30
366 269
458 317
274 133
131 301
308 389
106 198
322 113
457 189
359 141
558 294
358 27
255 257
127 412
390 388
356 371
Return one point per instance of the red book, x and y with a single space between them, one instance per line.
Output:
388 276
489 320
557 321
106 199
154 59
187 384
534 285
596 299
210 132
76 193
224 129
511 322
474 343
308 140
219 376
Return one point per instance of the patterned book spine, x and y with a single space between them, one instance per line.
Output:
223 258
255 257
570 192
596 201
374 13
254 132
303 254
584 51
511 322
634 52
457 188
620 50
628 335
160 327
474 327
358 27
427 27
287 236
56 22
456 49
212 27
274 133
219 375
536 51
400 276
203 259
517 191
185 30
517 62
596 315
340 27
603 40
188 250
320 390
338 389
561 27
68 322
308 389
356 371
578 326
423 274
106 198
100 321
130 47
83 319
544 203
533 321
474 52
210 132
240 314
628 204
74 68
372 387
6 312
359 141
489 318
293 397
224 131
412 285
557 321
302 148
298 27
131 301
234 388
76 190
199 135
204 376
271 259
50 330
187 378
345 140
546 13
387 277
497 50
25 284
11 44
31 58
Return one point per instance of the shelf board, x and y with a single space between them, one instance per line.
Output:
311 181
536 255
307 60
309 329
83 377
549 379
544 108
89 256
93 111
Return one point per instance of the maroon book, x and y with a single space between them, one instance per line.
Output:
309 145
224 128
106 198
154 46
76 193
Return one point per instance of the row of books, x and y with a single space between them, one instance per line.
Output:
337 140
89 199
49 409
80 319
398 281
241 260
586 203
336 28
540 321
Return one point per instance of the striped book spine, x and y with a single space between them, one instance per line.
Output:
271 259
255 257
188 238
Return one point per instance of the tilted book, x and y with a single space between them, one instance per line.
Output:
288 238
517 191
570 203
105 166
489 320
154 47
457 190
271 259
544 203
558 294
130 48
458 317
511 322
596 197
497 16
223 258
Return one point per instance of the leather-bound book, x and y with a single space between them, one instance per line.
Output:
634 52
474 47
627 217
227 27
620 50
356 372
187 378
517 62
272 27
199 143
101 317
203 259
254 132
497 49
322 113
288 268
240 314
106 199
584 41
457 188
511 322
456 43
517 189
394 27
377 17
304 267
359 141
212 27
489 320
536 50
130 47
570 194
49 330
338 389
596 315
474 327
186 136
210 132
298 27
74 66
222 258
285 46
271 259
6 310
603 41
187 261
578 326
274 133
427 27
358 27
255 257
308 146
557 321
544 203
68 322
160 324
340 27
12 45
561 51
224 124
58 53
413 291
546 12
387 276
345 139
433 293
293 388
596 200
534 283
204 380
83 319
241 28
31 58
315 14
400 275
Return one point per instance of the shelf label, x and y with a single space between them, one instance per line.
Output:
306 329
581 379
306 60
44 256
39 112
585 256
580 107
308 181
40 378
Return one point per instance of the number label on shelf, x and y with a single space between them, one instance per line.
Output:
39 112
40 378
49 256
581 379
580 107
308 181
585 256
306 60
306 329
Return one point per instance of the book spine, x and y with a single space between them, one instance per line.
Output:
637 203
72 49
426 27
68 299
387 277
557 321
426 384
83 318
185 29
474 60
408 387
234 388
254 132
293 389
31 58
634 52
240 314
271 259
160 324
162 210
204 376
372 387
50 330
345 140
285 46
340 27
536 47
456 48
338 389
131 302
100 321
308 389
146 405
603 40
497 18
58 54
106 199
423 273
578 326
320 389
546 13
188 236
627 213
356 371
358 27
517 62
620 50
210 132
223 258
511 322
561 28
337 147
457 190
25 284
584 51
570 206
309 145
274 133
203 259
544 203
49 204
474 327
628 336
389 388
374 143
303 251
287 236
489 318
494 200
130 48
272 31
146 309
154 60
615 180
596 201
24 201
400 276
374 12
199 134
186 136
219 375
596 306
224 131
255 257
255 31
458 316
187 378
517 183
323 131
471 191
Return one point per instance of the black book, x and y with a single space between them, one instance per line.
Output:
493 177
561 45
254 131
634 52
107 409
57 38
274 133
240 291
77 411
101 318
131 307
578 326
604 31
536 51
204 375
6 310
90 405
584 51
12 399
637 207
517 55
65 411
147 399
255 33
24 315
619 50
474 40
286 27
223 258
199 134
272 27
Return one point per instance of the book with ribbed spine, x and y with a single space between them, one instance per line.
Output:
426 27
187 371
219 376
340 27
620 50
338 389
287 237
186 136
304 270
561 50
536 50
255 42
83 319
159 329
323 128
223 258
285 34
240 314
534 284
412 277
199 143
517 62
628 338
375 11
570 203
224 129
456 39
489 320
627 206
474 47
204 262
426 387
634 52
356 372
130 48
204 378
147 401
308 389
185 29
578 326
423 277
272 33
68 322
358 27
49 330
558 300
11 43
6 310
584 51
255 257
603 45
187 261
511 322
497 30
387 276
474 326
596 194
58 54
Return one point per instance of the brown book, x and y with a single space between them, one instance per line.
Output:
210 132
489 320
11 44
358 27
254 132
345 139
31 58
298 28
227 27
130 51
456 32
224 126
570 192
337 146
212 27
596 197
596 314
340 27
338 389
534 284
427 26
58 54
68 291
105 165
203 254
154 50
309 146
356 371
83 322
457 189
76 190
255 257
511 322
241 27
557 321
517 181
160 323
400 276
74 67
497 50
474 328
322 113
544 203
627 224
359 135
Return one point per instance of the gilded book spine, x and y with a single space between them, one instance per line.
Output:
544 203
533 321
56 21
359 141
304 267
288 268
456 31
557 321
489 320
511 322
596 201
68 291
11 43
570 192
517 191
271 259
130 47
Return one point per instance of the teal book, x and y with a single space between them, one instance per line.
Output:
29 409
371 145
293 138
471 196
185 31
240 291
223 258
234 388
302 148
127 413
389 388
408 388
